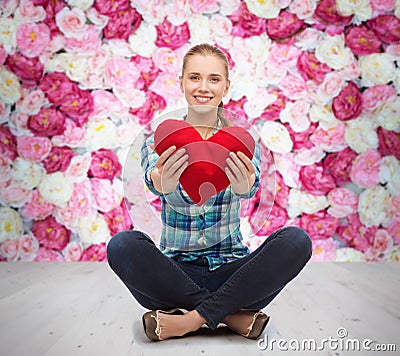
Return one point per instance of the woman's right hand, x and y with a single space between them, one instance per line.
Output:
169 168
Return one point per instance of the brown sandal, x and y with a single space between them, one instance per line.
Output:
260 321
151 320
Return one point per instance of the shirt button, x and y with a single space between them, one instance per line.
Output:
201 216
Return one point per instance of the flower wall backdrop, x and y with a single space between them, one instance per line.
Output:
79 79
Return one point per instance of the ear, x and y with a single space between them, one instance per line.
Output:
181 83
228 84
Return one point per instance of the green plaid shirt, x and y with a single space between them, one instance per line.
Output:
190 231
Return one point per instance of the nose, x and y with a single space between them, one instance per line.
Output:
204 85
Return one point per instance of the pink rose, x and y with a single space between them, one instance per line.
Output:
106 104
386 28
50 233
48 122
32 102
148 71
121 73
122 24
28 70
319 225
277 218
153 103
172 36
8 143
331 140
118 219
394 230
381 6
95 252
58 159
246 24
362 41
343 202
355 234
88 44
105 165
285 25
294 87
106 7
68 217
311 68
72 22
365 169
301 139
272 111
82 200
338 165
57 86
73 251
382 243
205 6
5 168
167 86
32 38
33 148
326 11
9 250
13 194
316 180
389 142
330 87
374 97
78 106
348 104
282 191
28 247
47 255
3 55
31 13
37 207
303 9
283 55
72 136
104 194
323 250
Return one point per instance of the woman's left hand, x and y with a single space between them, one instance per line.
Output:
240 172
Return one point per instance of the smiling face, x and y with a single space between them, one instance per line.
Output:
204 80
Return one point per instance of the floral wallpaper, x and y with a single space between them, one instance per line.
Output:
79 79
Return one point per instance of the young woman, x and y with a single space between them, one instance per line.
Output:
184 286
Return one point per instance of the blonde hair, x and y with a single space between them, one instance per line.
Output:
206 49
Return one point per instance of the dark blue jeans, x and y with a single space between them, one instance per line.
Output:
252 282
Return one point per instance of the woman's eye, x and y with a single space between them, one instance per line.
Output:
214 80
194 77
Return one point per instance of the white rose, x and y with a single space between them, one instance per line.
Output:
276 137
93 230
76 67
81 4
97 19
11 227
389 172
304 9
296 114
221 27
132 98
389 115
360 8
371 206
265 9
8 34
332 51
143 40
10 88
302 202
56 189
120 48
360 134
228 7
396 80
177 12
72 23
33 101
376 68
5 110
100 133
27 174
308 38
324 116
397 8
195 23
289 170
348 254
256 104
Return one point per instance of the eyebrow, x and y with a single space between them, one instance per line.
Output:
211 74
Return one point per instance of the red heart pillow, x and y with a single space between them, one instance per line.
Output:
205 175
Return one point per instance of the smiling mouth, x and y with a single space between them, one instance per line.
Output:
203 99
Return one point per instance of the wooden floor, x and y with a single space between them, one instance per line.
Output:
83 309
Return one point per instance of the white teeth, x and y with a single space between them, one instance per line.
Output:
203 99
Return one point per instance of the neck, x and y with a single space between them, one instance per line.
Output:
204 120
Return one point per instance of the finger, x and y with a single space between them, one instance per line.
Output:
239 164
176 165
230 176
164 156
181 169
234 169
247 162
